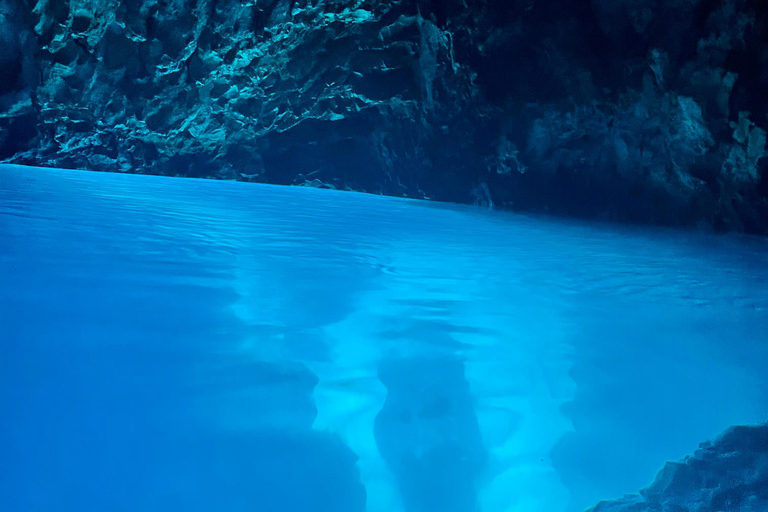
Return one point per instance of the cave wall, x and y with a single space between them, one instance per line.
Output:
632 110
729 474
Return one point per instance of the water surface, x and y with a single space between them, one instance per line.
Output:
172 344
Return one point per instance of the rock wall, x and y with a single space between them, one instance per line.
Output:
633 110
728 475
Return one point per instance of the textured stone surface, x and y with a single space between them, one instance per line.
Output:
634 110
728 475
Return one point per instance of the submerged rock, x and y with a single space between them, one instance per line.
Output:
729 474
638 110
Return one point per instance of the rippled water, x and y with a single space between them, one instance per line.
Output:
175 344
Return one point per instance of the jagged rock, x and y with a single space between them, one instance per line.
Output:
638 110
727 475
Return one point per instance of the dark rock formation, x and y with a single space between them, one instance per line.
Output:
728 475
428 434
634 110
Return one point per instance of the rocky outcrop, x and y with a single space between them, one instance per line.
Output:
727 475
634 110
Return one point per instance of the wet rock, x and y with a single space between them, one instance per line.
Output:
729 474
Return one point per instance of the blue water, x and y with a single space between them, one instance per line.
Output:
188 345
